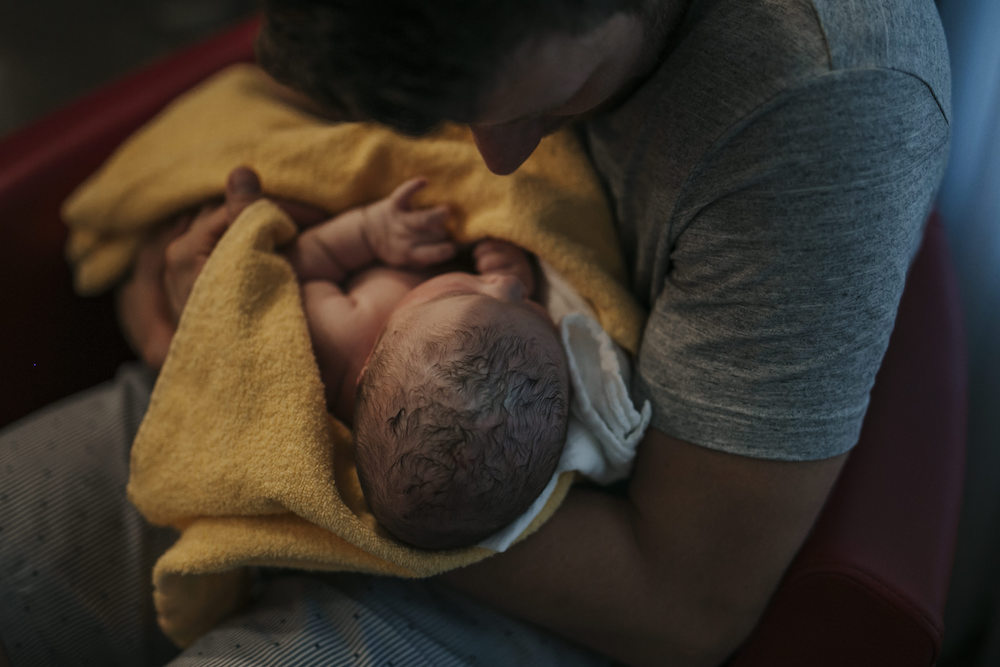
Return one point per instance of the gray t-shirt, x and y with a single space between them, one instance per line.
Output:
771 180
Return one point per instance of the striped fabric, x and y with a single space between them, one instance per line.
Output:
74 556
361 620
75 560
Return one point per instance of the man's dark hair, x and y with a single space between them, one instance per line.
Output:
457 435
409 64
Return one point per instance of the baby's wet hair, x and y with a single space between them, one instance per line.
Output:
457 433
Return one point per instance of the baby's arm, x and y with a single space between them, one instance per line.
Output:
390 231
495 256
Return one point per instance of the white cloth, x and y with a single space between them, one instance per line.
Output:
604 425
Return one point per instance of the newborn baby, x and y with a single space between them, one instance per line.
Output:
455 382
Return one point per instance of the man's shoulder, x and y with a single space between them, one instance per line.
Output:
897 34
905 36
802 36
731 60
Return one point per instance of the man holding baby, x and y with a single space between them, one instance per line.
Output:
771 166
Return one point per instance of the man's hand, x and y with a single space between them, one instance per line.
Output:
401 235
151 299
144 312
187 253
495 256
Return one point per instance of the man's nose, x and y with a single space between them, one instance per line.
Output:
505 147
504 286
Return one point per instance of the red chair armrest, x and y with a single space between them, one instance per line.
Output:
54 343
869 585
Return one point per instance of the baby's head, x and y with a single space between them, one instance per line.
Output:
461 413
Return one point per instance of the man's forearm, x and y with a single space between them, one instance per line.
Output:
598 591
603 599
678 573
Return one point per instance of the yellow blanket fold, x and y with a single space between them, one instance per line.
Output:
182 157
237 450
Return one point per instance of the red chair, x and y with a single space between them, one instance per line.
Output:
868 587
52 342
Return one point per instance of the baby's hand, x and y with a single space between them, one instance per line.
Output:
495 256
400 235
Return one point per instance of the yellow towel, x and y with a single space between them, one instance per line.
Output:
236 450
237 117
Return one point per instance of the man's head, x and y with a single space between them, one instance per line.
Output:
461 415
511 69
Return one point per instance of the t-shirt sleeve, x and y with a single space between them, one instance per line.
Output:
789 250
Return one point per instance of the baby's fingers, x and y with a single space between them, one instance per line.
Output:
402 196
496 246
493 255
493 262
429 220
432 253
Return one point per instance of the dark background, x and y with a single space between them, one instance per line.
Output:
52 51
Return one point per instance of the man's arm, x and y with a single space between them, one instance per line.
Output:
676 573
149 302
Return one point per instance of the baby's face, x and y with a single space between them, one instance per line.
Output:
450 293
452 300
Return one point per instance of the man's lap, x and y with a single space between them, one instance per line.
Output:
74 556
360 620
75 561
